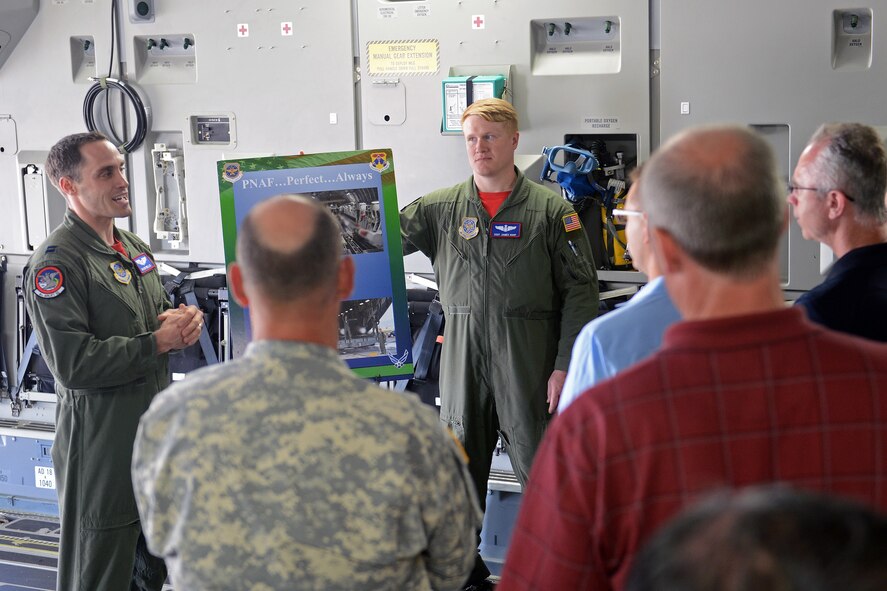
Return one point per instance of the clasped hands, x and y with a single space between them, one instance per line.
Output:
179 328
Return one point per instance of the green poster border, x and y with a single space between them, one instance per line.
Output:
392 223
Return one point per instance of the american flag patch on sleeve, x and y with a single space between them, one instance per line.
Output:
571 222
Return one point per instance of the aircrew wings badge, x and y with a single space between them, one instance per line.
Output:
49 283
468 229
571 222
505 229
144 263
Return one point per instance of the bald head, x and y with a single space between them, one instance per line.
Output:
716 190
288 248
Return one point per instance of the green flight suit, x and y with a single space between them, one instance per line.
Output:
513 306
94 314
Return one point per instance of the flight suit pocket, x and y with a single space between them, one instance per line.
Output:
454 273
112 314
107 390
455 425
577 266
523 249
528 276
454 249
531 314
99 468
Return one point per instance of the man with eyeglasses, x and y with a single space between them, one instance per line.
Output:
612 342
743 390
838 193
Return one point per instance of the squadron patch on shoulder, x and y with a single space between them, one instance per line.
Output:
468 229
571 222
49 282
121 273
144 263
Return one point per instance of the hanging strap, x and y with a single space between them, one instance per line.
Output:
469 91
423 349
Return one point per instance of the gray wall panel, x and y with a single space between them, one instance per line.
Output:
550 106
281 89
766 63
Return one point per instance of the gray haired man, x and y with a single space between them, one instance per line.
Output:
837 192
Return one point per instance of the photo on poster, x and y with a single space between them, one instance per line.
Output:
359 190
366 328
359 216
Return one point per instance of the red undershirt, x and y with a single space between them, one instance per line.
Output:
118 246
493 201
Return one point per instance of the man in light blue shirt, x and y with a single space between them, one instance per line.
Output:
614 341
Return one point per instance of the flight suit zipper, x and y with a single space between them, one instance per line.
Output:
485 256
146 306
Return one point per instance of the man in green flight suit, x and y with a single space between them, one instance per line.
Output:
104 325
517 283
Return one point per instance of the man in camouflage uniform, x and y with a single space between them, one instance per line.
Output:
282 469
517 284
104 326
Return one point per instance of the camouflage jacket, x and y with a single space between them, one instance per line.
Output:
282 470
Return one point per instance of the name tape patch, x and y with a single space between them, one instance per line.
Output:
505 230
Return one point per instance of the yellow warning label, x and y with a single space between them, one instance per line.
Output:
415 57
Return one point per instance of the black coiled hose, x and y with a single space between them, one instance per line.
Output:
141 126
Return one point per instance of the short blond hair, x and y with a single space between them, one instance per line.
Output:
492 109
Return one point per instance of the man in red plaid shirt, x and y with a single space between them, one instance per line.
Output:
744 391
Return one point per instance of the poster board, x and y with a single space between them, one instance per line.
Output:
358 187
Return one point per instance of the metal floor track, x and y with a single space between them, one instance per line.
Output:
29 546
28 552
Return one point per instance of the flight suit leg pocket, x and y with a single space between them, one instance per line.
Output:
107 422
521 448
456 425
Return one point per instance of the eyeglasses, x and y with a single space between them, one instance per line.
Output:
627 213
794 188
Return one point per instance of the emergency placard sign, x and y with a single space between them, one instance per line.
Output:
413 57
